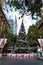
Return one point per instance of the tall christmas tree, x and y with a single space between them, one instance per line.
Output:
22 44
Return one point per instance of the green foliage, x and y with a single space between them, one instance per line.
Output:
17 4
33 35
11 38
41 33
32 5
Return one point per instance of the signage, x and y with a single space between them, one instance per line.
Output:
40 42
2 42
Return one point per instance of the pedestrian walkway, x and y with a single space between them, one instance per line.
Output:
41 58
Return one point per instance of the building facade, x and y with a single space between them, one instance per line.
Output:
15 25
3 21
11 23
40 24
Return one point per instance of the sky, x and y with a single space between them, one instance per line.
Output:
27 20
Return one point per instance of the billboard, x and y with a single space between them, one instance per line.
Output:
2 42
40 42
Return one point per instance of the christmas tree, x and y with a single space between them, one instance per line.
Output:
22 44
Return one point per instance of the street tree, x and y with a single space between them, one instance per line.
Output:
34 6
33 35
11 38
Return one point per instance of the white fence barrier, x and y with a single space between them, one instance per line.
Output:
22 56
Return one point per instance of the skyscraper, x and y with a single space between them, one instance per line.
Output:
11 23
15 25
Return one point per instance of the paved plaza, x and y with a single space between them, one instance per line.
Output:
10 61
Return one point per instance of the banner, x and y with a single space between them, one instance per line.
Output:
2 42
40 42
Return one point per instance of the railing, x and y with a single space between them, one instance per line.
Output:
30 48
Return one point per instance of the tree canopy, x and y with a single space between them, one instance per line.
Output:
11 38
33 35
27 5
